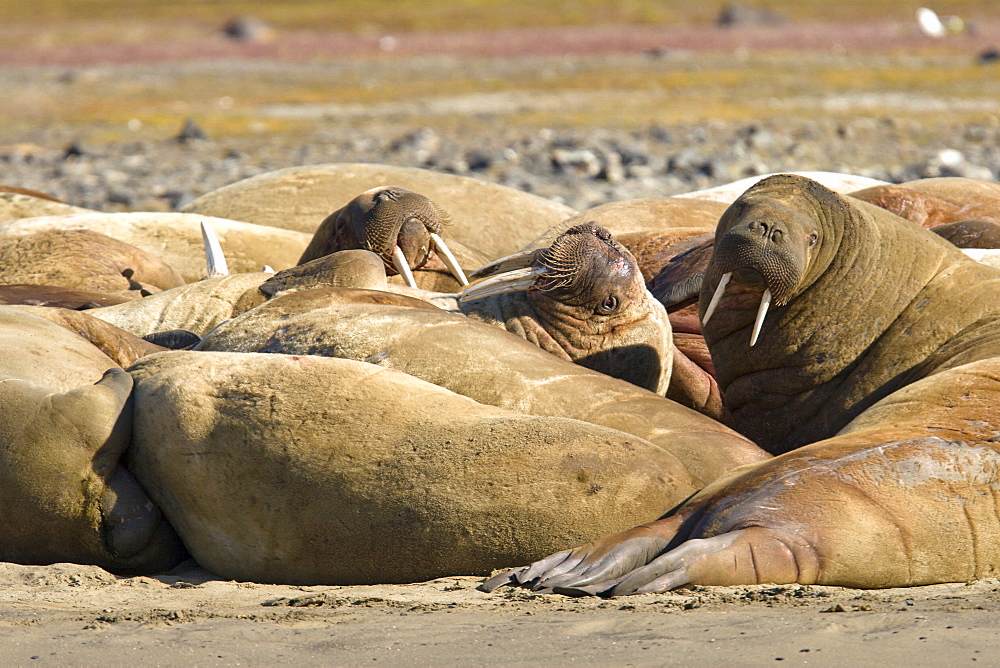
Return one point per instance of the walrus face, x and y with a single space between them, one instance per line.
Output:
584 269
588 302
762 252
400 226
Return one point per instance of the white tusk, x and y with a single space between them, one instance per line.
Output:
214 259
716 297
403 267
512 281
268 269
509 263
765 301
448 258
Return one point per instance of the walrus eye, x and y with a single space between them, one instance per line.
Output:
608 306
813 238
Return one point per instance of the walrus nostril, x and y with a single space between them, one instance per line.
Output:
776 236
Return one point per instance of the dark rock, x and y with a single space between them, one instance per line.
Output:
191 132
737 15
74 150
250 29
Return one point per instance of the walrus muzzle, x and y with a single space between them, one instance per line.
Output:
765 252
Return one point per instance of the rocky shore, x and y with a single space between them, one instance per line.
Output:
578 167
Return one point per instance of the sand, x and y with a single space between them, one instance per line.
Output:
72 614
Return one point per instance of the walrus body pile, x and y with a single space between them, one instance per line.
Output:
876 360
330 427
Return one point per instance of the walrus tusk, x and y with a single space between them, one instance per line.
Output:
765 301
399 262
716 297
268 269
214 259
512 281
448 258
509 263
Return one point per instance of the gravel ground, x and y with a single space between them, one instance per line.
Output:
581 168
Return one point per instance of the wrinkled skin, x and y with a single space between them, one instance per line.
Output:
970 233
903 497
897 385
482 362
383 219
937 201
54 295
197 307
303 469
176 238
816 367
67 420
589 305
83 260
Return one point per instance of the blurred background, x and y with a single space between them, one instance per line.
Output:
142 105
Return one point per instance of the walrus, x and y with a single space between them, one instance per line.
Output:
177 240
891 393
582 299
485 363
970 233
197 307
491 218
84 260
405 229
937 201
67 412
641 216
304 469
55 295
24 203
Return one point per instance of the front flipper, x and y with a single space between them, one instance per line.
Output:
604 559
746 556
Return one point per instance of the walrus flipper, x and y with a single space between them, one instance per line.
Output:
603 562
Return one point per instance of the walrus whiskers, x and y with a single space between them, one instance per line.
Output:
401 265
448 258
716 297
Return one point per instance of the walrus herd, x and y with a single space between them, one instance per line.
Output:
409 375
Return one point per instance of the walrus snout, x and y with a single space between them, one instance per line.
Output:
400 226
767 246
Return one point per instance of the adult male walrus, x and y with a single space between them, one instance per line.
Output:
402 227
873 351
584 299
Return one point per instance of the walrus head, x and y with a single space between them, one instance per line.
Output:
400 226
584 299
766 245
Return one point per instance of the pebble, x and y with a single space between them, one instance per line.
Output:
581 167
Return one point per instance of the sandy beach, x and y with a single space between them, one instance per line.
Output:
98 127
71 614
